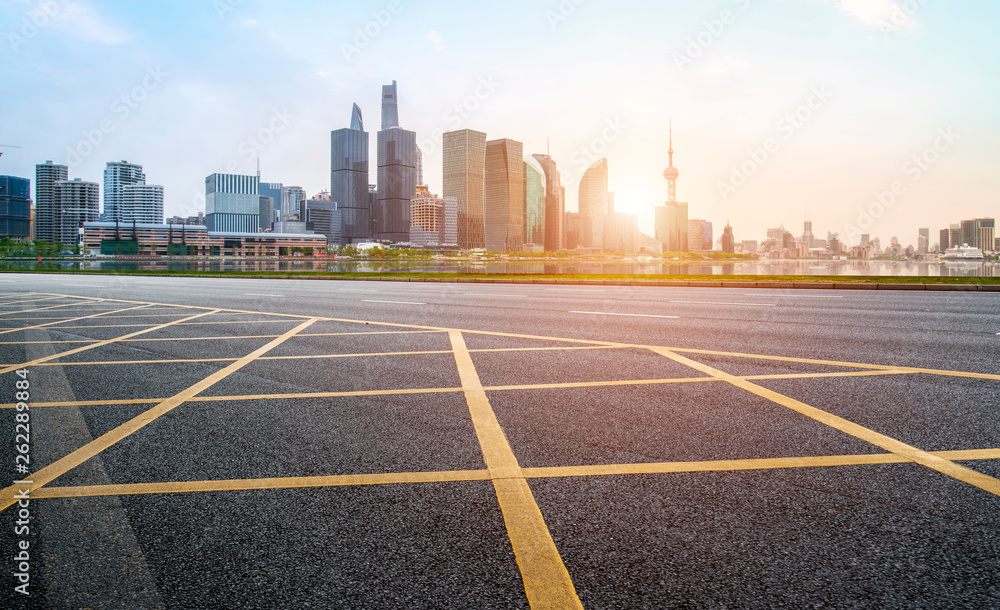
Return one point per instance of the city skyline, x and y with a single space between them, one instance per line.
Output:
762 140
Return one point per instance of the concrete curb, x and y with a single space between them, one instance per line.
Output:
631 283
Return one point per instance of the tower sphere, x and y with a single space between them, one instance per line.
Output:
671 173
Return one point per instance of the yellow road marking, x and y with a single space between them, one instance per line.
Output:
20 311
154 315
35 301
547 583
81 455
499 388
892 445
275 483
10 330
483 475
48 324
225 338
42 361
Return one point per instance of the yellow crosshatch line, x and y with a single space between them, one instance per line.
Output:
226 338
547 583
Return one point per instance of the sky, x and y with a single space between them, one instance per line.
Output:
867 116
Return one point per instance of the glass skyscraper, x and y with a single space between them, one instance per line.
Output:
504 196
465 180
594 204
349 180
555 205
397 173
534 203
15 207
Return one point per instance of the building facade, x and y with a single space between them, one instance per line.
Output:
594 204
729 240
117 176
465 180
434 219
46 210
232 203
349 179
15 208
77 202
672 226
620 232
504 214
555 204
534 204
142 203
128 239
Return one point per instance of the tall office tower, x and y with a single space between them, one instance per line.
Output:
924 241
620 232
574 230
397 172
46 177
142 203
955 235
555 205
728 239
323 217
672 226
672 218
349 180
434 219
465 180
390 106
292 198
232 203
534 203
266 214
76 202
594 204
807 235
15 207
118 175
272 191
504 196
945 240
700 235
866 239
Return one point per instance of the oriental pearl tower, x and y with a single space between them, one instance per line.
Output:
671 172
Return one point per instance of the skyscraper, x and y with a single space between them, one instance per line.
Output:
594 204
728 240
924 241
534 203
15 207
555 205
118 175
268 210
349 179
504 195
46 211
76 202
465 180
232 203
397 172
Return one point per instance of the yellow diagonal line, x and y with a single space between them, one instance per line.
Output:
892 445
6 313
36 326
81 455
41 361
35 301
547 583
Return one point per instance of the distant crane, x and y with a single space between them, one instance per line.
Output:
7 146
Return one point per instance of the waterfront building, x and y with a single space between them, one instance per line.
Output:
142 203
119 238
620 232
434 219
15 208
728 240
672 219
349 178
594 204
504 209
397 172
534 204
117 176
46 210
464 159
555 204
232 203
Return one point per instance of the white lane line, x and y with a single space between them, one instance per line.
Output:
393 302
250 294
85 285
630 315
502 296
790 296
720 303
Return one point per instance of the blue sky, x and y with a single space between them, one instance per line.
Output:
191 87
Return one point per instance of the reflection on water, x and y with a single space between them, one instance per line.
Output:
779 267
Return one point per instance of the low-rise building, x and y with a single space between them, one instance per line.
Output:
118 238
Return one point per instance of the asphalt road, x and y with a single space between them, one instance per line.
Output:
288 443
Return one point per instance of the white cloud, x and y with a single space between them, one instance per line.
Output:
881 14
82 21
437 39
